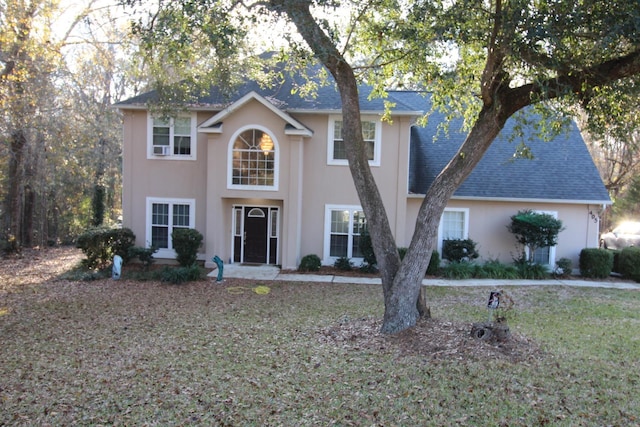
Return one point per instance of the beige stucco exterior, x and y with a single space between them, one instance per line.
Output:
306 185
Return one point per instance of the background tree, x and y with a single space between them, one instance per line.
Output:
27 64
610 122
60 70
485 61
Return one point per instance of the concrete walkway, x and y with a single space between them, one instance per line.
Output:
268 272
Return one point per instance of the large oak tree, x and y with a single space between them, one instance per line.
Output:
485 60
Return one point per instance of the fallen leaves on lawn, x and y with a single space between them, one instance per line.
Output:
433 338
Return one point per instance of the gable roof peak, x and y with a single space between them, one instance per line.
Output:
292 126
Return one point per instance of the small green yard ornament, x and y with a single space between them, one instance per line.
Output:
219 265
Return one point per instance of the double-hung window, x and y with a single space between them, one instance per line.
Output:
344 226
173 138
454 225
371 130
163 217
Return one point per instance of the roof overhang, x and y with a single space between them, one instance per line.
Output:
523 200
362 112
292 126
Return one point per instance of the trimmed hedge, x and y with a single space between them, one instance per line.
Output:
101 244
457 250
629 263
309 263
596 263
186 242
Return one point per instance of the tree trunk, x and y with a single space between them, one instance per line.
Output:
423 304
17 144
400 302
401 282
28 216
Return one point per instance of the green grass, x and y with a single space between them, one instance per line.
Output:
145 353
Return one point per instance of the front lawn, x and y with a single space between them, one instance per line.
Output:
123 352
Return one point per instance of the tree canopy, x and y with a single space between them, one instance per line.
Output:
60 70
483 60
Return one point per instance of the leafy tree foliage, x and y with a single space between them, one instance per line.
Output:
535 230
59 138
486 61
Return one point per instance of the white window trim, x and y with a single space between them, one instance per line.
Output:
327 258
164 252
552 249
377 145
171 156
276 161
465 231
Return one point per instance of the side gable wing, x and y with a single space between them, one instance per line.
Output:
562 169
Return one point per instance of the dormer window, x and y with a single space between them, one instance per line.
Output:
172 138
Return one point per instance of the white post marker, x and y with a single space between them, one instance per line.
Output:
116 271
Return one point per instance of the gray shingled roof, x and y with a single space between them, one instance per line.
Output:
562 169
281 94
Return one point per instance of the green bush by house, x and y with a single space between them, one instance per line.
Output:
101 244
309 263
629 263
186 242
596 263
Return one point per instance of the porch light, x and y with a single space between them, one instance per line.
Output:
266 143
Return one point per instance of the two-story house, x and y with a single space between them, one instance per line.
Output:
262 174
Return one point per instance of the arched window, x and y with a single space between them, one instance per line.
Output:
254 159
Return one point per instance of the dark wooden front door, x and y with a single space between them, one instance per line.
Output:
255 235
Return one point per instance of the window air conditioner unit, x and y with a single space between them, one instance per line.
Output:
162 150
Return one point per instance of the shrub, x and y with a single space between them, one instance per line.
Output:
563 267
535 230
145 255
402 252
9 244
494 269
629 263
177 275
343 263
530 271
595 263
310 263
458 270
457 250
186 242
616 261
100 245
434 264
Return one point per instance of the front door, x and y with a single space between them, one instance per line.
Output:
256 234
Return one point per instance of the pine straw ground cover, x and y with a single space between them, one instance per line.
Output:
145 353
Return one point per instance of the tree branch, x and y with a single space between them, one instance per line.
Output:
491 75
579 83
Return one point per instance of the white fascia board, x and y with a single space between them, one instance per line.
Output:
204 127
521 200
362 112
